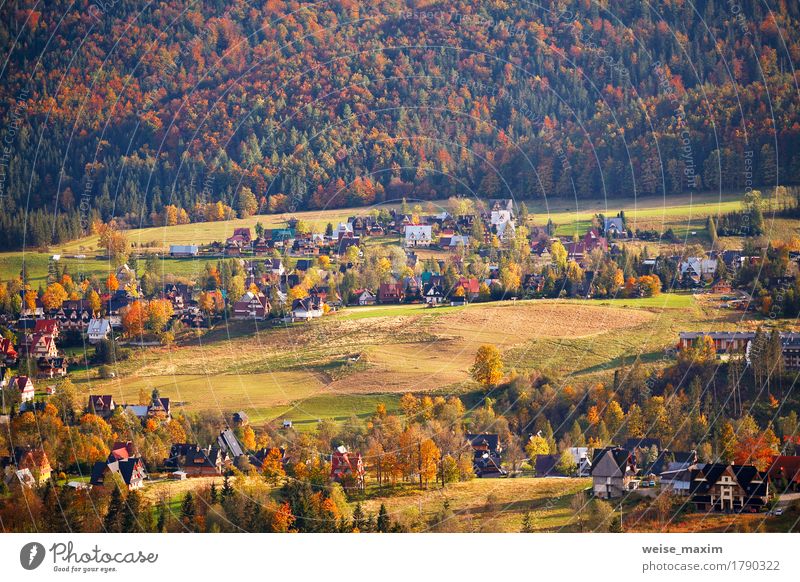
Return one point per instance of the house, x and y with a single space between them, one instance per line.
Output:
677 475
307 308
131 470
101 405
228 442
8 355
471 286
23 476
257 459
39 345
614 227
365 297
274 266
697 270
545 465
35 460
347 468
25 386
722 487
725 342
240 418
454 241
506 204
98 330
433 294
241 237
251 306
159 408
122 450
613 472
51 367
74 314
721 287
183 250
418 235
785 469
125 276
390 293
486 450
582 461
203 462
502 222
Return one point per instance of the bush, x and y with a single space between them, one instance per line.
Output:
105 372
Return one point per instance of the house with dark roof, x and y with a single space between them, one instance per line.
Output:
721 487
486 450
433 294
101 405
228 442
613 472
131 470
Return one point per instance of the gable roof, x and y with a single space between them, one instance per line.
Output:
227 441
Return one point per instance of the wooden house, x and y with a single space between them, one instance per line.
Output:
722 487
613 472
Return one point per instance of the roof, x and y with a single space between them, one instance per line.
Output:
45 326
492 441
785 467
227 441
190 249
98 326
546 465
618 456
747 476
641 443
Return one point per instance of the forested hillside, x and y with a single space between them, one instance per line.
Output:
121 109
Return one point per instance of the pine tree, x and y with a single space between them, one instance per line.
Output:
383 519
358 518
213 495
112 520
188 512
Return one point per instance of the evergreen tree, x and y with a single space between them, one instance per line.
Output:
383 519
112 522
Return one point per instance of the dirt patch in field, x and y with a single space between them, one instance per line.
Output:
444 346
514 324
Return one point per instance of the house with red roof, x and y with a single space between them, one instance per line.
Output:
8 354
785 468
347 468
390 293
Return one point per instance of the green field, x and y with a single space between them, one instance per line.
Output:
346 363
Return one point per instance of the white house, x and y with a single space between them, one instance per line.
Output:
98 330
365 297
25 386
183 250
418 235
306 308
503 221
